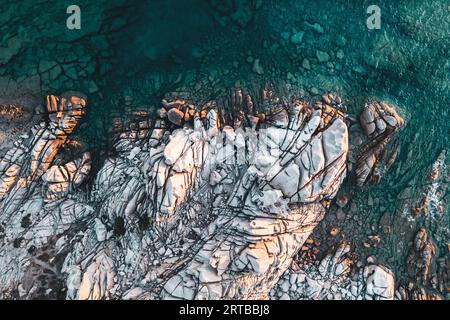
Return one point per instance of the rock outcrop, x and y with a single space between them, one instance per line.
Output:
336 277
421 255
206 201
272 207
372 154
27 181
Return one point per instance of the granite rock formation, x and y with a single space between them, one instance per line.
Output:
335 278
204 201
379 122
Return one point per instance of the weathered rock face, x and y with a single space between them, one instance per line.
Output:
299 163
27 181
421 255
335 277
196 204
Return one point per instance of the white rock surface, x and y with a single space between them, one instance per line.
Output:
336 278
215 209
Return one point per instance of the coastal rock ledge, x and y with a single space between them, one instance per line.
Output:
205 201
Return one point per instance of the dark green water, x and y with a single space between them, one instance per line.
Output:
127 55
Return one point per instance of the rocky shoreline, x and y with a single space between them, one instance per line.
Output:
204 201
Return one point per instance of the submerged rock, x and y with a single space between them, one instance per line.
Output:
257 67
322 56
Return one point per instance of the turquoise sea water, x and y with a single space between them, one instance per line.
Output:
142 49
127 55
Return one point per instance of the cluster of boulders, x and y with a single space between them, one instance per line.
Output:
11 110
427 259
371 152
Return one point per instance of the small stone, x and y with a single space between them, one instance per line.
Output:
334 232
381 125
257 67
359 69
306 64
391 120
175 116
376 238
274 47
340 54
369 128
285 35
326 99
92 87
322 56
40 109
341 41
297 37
314 91
357 141
387 229
317 28
45 65
197 53
340 214
342 201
